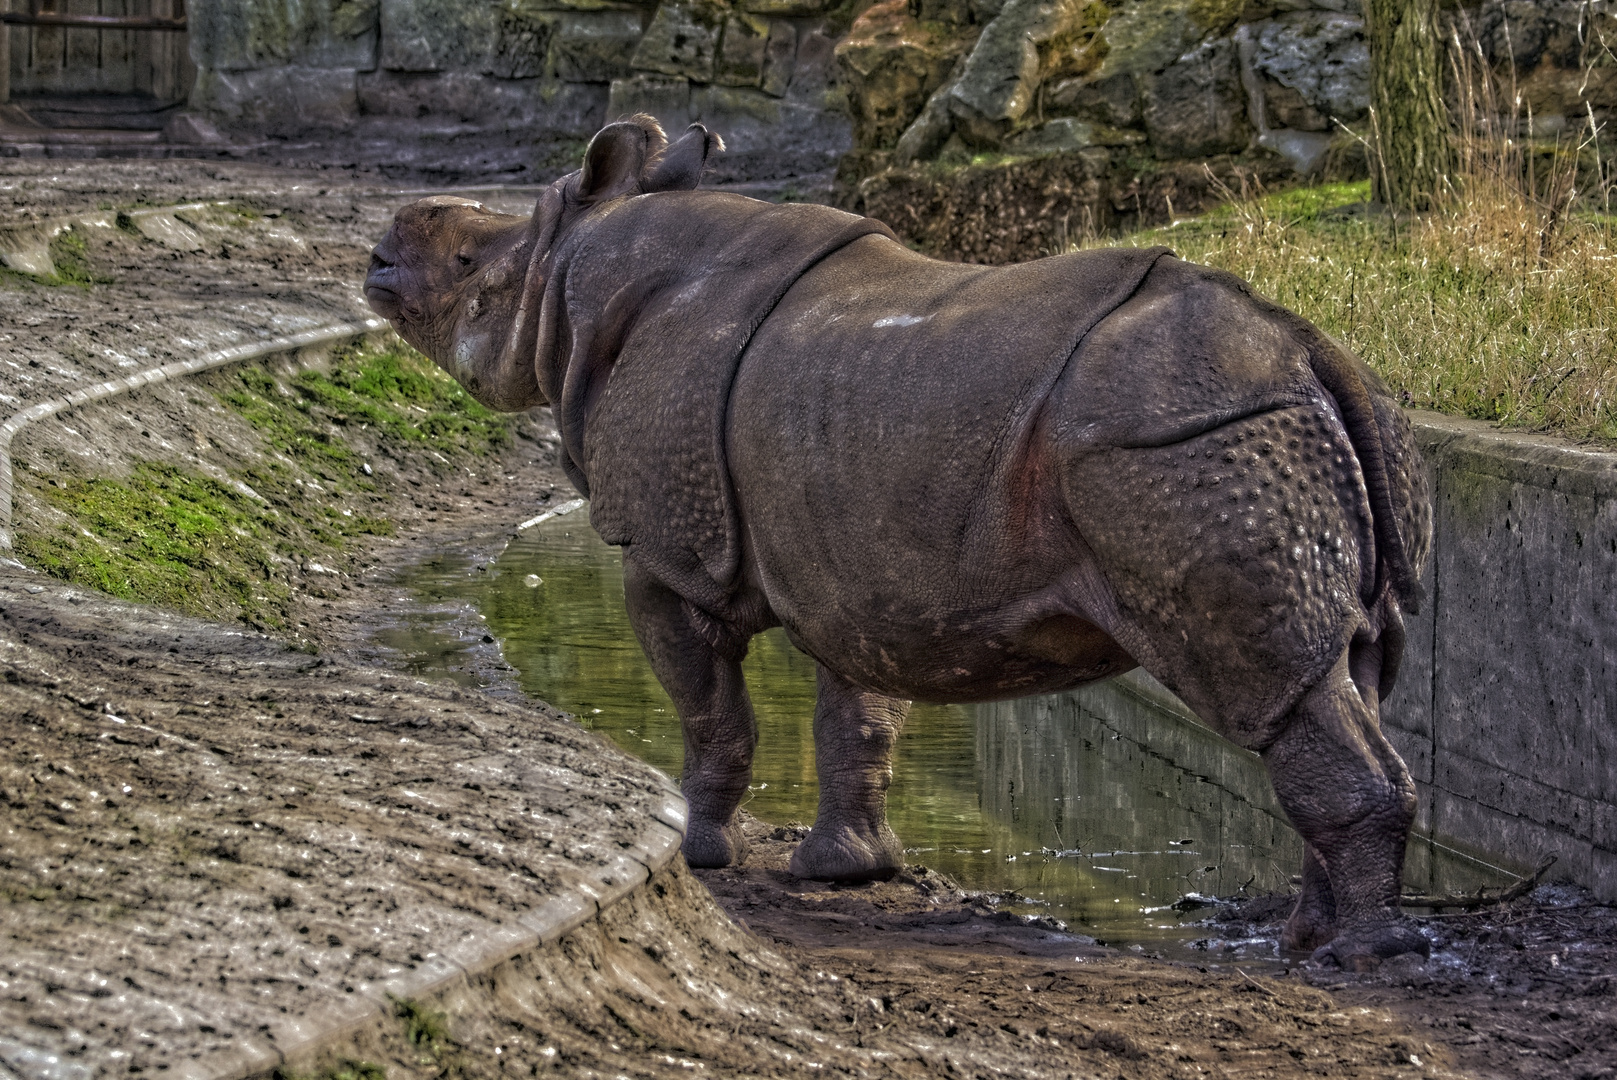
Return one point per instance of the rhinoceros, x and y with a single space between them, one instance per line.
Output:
950 483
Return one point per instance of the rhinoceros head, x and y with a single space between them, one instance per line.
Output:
464 284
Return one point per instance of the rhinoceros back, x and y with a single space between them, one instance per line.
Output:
880 428
661 297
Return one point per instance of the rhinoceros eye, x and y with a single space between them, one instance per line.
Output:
465 260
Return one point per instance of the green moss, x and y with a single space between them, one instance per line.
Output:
394 390
164 535
226 547
425 1029
71 255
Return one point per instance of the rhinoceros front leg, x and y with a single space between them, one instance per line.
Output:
715 715
1349 795
855 732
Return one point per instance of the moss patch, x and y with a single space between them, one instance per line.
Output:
233 547
396 394
70 255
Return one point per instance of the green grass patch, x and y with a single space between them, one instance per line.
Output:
228 548
174 537
163 535
406 398
426 1030
70 255
1493 310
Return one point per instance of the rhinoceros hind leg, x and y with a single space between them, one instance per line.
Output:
1313 920
715 714
1349 795
854 735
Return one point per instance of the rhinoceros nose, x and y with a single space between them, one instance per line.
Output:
381 288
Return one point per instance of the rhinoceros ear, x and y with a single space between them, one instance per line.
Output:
613 162
680 169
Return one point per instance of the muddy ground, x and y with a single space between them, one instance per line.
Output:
913 977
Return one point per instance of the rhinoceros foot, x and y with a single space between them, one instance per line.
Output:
710 845
1312 924
846 853
1364 947
1308 930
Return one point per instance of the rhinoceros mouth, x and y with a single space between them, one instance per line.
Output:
384 301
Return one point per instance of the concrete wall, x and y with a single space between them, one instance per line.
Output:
1506 710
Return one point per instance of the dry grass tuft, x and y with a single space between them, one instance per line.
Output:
1489 309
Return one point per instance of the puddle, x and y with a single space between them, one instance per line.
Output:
1096 807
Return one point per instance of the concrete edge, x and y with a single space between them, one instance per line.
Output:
656 846
320 335
1537 460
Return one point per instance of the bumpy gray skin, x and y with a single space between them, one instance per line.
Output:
1206 486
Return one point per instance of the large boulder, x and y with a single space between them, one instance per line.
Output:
682 41
282 101
1319 65
1002 72
594 46
247 35
436 35
891 63
1196 107
1146 36
1557 54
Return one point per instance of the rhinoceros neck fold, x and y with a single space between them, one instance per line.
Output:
648 309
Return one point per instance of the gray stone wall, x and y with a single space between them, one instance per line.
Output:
535 72
789 82
1174 80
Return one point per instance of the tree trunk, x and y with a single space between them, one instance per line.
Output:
1406 91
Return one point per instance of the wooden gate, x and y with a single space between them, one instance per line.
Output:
59 48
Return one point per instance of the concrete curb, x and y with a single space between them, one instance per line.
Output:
650 853
151 376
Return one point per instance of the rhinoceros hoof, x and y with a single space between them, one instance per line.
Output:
848 854
1363 948
709 845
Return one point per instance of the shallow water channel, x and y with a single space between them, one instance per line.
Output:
1101 807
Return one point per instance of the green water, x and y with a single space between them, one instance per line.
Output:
1094 807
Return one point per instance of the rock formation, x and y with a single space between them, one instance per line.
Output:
1130 97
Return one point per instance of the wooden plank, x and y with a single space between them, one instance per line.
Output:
95 22
82 64
43 70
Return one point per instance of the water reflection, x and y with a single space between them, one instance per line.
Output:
1096 807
